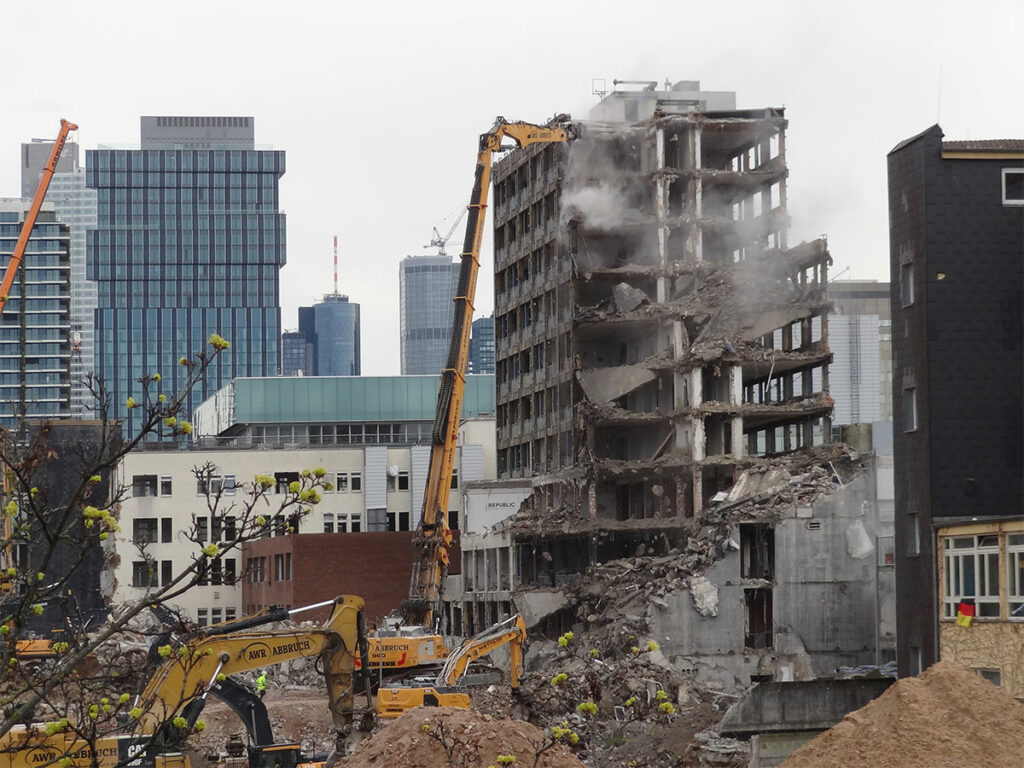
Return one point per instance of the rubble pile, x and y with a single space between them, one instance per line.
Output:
433 737
644 710
947 717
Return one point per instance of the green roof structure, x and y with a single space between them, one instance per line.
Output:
302 399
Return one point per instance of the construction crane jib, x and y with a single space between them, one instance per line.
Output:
33 211
434 537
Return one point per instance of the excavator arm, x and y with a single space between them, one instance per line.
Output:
434 537
511 631
189 674
444 691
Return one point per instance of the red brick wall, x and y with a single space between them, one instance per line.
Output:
375 566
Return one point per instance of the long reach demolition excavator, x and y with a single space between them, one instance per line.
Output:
420 613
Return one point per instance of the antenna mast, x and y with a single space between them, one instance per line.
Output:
335 265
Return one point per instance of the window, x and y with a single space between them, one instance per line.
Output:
166 572
328 523
229 614
356 482
994 676
144 485
202 529
230 528
971 568
455 479
143 574
915 660
403 481
222 484
202 617
166 530
341 486
1015 572
909 409
165 485
256 567
284 479
907 283
229 571
144 530
913 534
283 566
1013 186
215 616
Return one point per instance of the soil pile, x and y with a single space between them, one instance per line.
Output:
947 716
429 737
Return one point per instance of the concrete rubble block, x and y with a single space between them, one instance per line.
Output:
752 483
535 605
603 385
705 595
627 298
858 542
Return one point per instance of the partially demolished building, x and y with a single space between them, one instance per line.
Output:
662 377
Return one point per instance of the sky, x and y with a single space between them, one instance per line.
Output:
379 105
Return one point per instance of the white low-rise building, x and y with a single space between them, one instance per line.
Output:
375 448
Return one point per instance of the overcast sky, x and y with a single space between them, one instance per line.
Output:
379 105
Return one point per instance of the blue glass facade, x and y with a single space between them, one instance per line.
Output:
331 329
426 286
35 374
337 337
187 243
481 346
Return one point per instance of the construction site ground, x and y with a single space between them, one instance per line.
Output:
495 725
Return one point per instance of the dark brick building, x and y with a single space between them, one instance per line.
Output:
308 568
956 227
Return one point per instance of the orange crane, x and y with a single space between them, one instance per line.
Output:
433 538
30 217
7 560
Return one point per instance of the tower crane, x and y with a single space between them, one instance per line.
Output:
440 242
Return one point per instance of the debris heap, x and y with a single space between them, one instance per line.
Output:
946 717
429 737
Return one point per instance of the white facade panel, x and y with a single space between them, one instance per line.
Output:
375 477
420 461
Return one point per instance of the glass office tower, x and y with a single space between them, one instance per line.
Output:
481 346
331 329
426 286
189 241
35 334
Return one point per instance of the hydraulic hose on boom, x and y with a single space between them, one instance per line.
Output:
434 537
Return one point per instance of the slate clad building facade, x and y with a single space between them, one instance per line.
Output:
189 242
956 212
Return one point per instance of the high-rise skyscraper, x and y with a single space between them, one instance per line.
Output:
35 344
330 332
481 346
75 205
189 241
860 337
426 285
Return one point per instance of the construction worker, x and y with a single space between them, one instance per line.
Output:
261 684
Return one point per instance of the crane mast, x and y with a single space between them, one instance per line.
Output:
434 537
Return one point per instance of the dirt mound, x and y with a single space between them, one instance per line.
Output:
947 716
429 737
